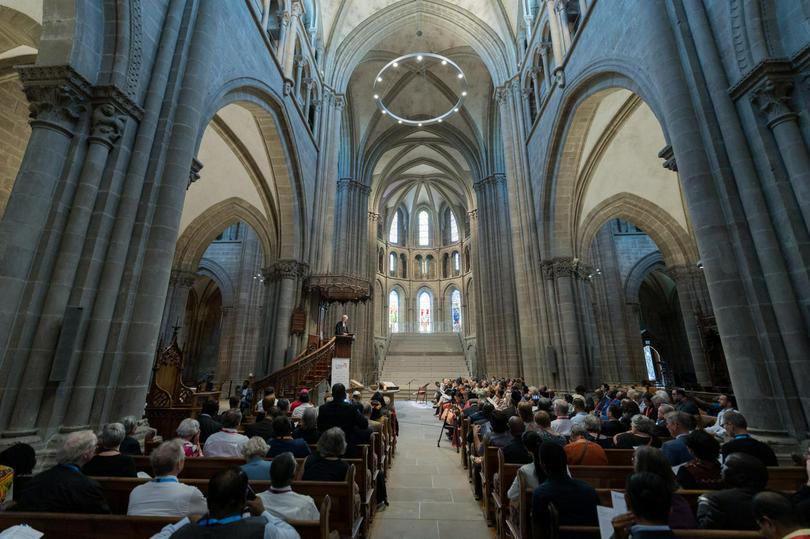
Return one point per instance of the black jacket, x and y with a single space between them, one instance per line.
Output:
728 509
208 426
263 428
341 329
341 414
130 446
62 489
753 447
515 453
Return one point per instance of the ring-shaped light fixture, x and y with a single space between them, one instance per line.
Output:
419 57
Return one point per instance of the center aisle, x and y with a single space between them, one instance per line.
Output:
428 490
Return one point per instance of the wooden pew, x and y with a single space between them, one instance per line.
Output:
202 467
341 494
465 429
593 531
506 474
489 465
81 526
619 457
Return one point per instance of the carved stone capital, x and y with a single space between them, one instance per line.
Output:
119 99
288 87
559 76
285 269
473 214
565 267
772 99
57 96
345 184
108 124
194 171
338 288
182 279
668 155
489 181
373 217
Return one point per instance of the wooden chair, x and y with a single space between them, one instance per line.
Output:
421 393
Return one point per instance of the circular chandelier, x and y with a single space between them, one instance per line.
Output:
424 61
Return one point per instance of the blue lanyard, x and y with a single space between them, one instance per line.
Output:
72 467
226 520
165 480
740 436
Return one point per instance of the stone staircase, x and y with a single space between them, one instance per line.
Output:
423 358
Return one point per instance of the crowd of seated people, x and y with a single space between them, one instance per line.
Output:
679 442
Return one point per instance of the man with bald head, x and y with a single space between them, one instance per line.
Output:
515 452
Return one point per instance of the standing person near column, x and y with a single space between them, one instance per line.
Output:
342 328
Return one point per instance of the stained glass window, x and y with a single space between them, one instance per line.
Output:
453 228
455 310
423 228
393 311
425 316
392 263
393 233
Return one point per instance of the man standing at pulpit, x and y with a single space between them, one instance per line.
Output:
342 328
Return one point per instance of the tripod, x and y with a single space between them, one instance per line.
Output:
448 427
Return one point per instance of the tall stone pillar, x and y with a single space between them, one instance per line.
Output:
174 313
287 275
687 281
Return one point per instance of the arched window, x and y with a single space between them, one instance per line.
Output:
453 228
456 262
455 310
423 228
393 232
425 315
393 311
392 264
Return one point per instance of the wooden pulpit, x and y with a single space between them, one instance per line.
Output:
343 346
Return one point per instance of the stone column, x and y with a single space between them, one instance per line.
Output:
174 313
226 338
57 98
686 280
286 274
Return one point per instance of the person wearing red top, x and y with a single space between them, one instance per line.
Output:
583 452
297 402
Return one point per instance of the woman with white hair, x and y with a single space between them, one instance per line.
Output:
308 426
255 467
109 462
64 488
326 464
641 432
189 432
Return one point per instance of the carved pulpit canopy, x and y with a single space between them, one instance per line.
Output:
335 288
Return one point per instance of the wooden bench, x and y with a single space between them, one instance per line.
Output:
500 500
619 457
593 531
81 526
201 467
489 465
465 429
341 495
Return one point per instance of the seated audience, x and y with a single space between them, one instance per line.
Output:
515 452
661 430
629 409
189 432
778 517
526 412
583 452
130 446
652 460
165 496
268 400
613 425
303 404
280 500
64 488
737 429
543 421
109 462
227 442
283 441
283 406
562 424
307 428
574 500
263 426
593 426
683 403
679 424
703 471
802 496
579 411
647 497
730 509
499 436
326 464
208 422
227 500
532 472
297 402
15 461
255 466
726 404
339 413
375 426
640 433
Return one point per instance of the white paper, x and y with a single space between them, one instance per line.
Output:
340 371
619 504
605 515
20 531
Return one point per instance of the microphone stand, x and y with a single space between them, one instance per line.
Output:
409 387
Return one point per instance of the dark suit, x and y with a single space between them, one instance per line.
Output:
727 510
755 448
62 490
341 329
574 500
130 446
515 453
263 428
341 414
208 426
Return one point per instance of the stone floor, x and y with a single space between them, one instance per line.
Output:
427 487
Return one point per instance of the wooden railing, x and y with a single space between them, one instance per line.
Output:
307 370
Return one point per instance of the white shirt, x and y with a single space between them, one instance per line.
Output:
561 426
288 505
529 478
717 429
166 498
225 443
299 410
275 528
579 418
